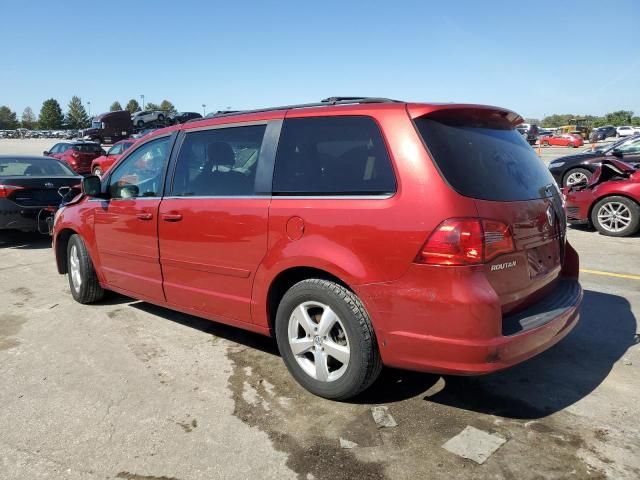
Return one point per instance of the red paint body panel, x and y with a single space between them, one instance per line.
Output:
210 255
218 257
126 233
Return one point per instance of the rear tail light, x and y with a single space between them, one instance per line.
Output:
6 190
466 241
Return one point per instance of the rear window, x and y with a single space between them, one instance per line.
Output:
19 167
88 148
332 156
482 156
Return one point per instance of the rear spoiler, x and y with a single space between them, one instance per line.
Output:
467 113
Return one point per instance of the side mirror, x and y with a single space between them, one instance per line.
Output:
45 153
91 186
616 153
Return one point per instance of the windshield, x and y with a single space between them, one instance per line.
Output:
484 159
18 167
96 124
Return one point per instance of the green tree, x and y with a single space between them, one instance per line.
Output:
8 119
77 117
635 121
152 106
115 106
167 106
532 121
28 119
133 106
51 115
621 117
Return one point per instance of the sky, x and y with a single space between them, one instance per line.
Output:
536 58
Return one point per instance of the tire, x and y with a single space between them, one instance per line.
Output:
625 223
140 124
83 280
545 143
352 331
161 118
97 171
575 175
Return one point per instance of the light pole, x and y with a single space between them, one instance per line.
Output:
142 97
204 110
89 106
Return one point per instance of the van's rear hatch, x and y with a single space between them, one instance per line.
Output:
480 155
85 153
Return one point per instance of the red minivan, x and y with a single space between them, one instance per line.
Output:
359 232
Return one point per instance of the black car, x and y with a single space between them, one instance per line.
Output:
574 169
183 117
608 131
29 191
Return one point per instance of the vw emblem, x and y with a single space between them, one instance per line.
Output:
550 216
48 185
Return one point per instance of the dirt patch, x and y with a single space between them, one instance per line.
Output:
309 428
306 427
135 476
10 325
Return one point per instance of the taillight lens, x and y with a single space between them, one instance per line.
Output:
6 190
466 241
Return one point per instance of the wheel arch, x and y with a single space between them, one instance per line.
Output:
62 241
285 279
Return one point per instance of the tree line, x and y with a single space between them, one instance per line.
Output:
51 116
616 119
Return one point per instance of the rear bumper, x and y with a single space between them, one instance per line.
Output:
15 217
466 333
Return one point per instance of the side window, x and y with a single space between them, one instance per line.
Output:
55 148
630 148
115 150
141 174
218 162
332 156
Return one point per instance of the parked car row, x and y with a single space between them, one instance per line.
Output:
24 133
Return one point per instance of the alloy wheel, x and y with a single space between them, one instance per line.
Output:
318 341
614 216
74 268
575 178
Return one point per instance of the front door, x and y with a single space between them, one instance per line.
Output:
126 225
213 225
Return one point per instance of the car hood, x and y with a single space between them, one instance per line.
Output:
582 157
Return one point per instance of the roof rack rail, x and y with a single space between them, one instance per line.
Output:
322 103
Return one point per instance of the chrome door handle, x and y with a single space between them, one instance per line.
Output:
145 216
172 217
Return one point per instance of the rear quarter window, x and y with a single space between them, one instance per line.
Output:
483 158
332 156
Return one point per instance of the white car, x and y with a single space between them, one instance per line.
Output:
636 129
139 119
625 131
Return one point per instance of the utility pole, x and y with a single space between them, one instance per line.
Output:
142 98
204 110
89 107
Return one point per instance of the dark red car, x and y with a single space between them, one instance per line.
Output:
101 164
563 140
77 155
610 202
357 231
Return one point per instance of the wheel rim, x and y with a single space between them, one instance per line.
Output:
318 341
74 268
576 177
614 216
